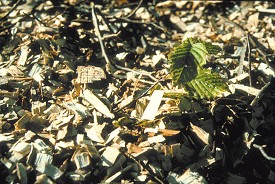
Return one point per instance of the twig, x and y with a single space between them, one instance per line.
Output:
261 49
13 8
110 68
139 22
36 18
111 35
260 94
136 8
248 58
263 152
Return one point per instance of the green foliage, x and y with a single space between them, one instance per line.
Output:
206 85
187 61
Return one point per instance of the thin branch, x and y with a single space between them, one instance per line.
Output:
260 94
13 8
134 11
263 152
248 58
110 68
36 18
140 22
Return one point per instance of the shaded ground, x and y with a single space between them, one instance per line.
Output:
76 78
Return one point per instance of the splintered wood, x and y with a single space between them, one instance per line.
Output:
90 74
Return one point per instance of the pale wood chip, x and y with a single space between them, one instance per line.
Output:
97 103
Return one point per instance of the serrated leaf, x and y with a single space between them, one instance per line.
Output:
206 85
187 60
199 52
182 62
212 49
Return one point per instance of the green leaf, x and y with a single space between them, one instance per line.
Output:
212 49
187 60
199 52
206 85
185 104
183 67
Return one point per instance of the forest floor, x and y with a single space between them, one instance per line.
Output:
88 93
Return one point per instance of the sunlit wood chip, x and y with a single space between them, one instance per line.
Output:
17 157
21 173
31 156
21 147
112 135
40 145
38 107
35 73
80 139
144 151
77 108
109 156
132 148
82 160
62 133
247 89
50 170
76 176
53 109
166 132
89 74
23 56
42 159
65 144
268 70
29 135
156 139
43 179
6 137
115 176
191 177
95 133
201 135
97 103
152 107
21 123
7 163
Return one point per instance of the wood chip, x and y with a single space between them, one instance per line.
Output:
109 156
90 74
152 107
97 103
82 160
50 171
